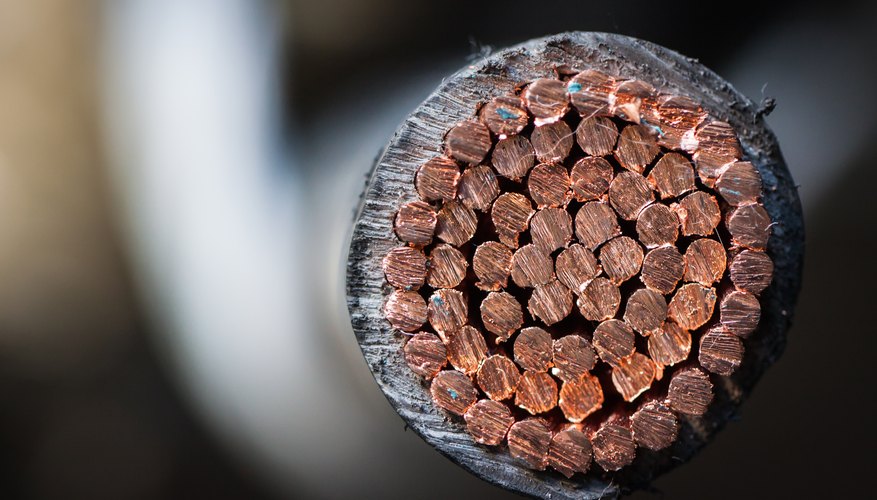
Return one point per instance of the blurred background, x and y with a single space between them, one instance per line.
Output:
177 183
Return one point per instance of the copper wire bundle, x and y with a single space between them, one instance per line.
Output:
585 261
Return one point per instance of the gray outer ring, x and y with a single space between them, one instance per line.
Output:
420 138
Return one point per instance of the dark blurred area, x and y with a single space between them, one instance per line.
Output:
176 187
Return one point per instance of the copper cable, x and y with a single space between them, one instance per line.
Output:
572 243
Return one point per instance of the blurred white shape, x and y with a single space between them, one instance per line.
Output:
211 216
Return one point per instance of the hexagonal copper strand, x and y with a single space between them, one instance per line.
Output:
513 157
552 142
690 391
705 261
501 314
633 98
589 92
551 229
511 214
672 176
751 271
646 311
636 148
692 305
448 312
492 264
699 214
415 223
599 300
573 356
468 142
547 100
739 183
614 340
531 267
529 440
447 267
498 377
654 425
488 422
406 311
478 188
721 352
505 115
717 146
549 185
437 179
740 312
466 349
662 269
629 194
670 345
677 118
570 451
613 442
425 354
621 258
456 223
597 135
405 268
453 391
633 376
590 178
580 397
551 302
657 225
575 267
596 224
533 349
536 392
750 226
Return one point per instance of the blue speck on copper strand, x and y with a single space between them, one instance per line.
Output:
505 114
654 127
